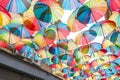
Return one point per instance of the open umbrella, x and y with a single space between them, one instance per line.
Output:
90 49
29 42
103 28
55 59
18 30
61 30
24 49
113 5
43 53
115 38
67 57
16 6
44 39
66 70
73 23
69 4
115 17
8 37
16 18
91 11
30 21
46 61
68 45
5 17
55 50
48 11
85 37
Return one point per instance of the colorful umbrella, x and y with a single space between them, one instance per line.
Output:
103 28
115 17
8 37
90 49
4 17
18 30
30 21
91 11
16 6
44 39
106 43
85 37
55 59
43 53
46 61
66 70
68 45
80 58
24 49
48 11
55 50
16 18
115 38
69 4
30 43
73 23
61 30
113 5
71 63
67 57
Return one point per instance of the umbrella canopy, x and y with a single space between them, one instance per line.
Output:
46 61
68 45
90 49
61 30
103 28
48 11
24 49
92 11
115 17
16 6
69 4
55 59
5 17
43 53
30 21
85 37
67 57
16 18
55 50
113 5
44 39
73 23
115 38
66 70
8 37
18 30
